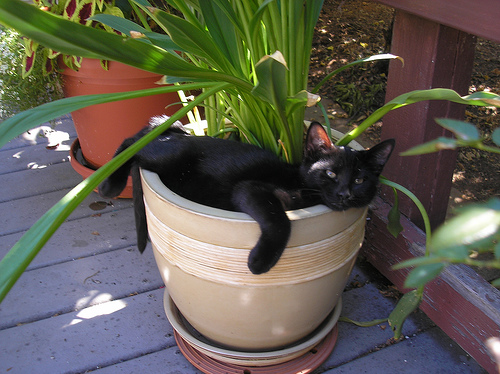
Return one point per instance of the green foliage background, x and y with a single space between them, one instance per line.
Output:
18 94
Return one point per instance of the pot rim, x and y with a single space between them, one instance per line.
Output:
157 185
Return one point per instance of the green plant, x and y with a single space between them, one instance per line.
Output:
476 227
249 58
18 94
81 12
474 230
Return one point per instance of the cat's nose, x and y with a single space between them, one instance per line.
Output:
343 195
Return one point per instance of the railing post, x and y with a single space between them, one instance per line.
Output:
435 56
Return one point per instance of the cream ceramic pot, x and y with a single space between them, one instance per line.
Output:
202 253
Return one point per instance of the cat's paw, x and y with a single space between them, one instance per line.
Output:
258 263
258 267
108 191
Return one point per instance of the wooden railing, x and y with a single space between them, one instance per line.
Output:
436 39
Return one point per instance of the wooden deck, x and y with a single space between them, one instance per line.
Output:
91 302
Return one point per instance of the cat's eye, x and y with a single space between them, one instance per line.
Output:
331 174
358 181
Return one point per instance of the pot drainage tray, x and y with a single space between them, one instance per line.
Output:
325 333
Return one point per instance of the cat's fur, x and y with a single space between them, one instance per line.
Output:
241 177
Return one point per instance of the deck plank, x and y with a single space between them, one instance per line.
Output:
97 336
414 355
82 237
78 284
26 211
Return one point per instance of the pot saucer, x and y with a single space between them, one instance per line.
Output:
81 167
306 354
304 364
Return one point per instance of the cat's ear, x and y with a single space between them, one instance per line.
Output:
378 155
317 139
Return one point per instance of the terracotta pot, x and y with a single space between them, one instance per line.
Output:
202 253
102 128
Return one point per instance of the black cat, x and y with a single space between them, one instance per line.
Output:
241 177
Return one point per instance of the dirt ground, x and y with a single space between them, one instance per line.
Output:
352 29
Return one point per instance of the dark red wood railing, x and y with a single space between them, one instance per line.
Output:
436 38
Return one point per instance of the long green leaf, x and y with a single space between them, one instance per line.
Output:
416 201
394 217
127 27
120 24
384 56
23 252
193 39
222 24
477 98
435 145
31 118
75 39
271 86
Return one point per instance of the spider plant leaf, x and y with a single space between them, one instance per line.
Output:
194 39
24 121
300 100
130 28
271 76
25 250
394 217
384 56
223 25
477 98
257 17
83 41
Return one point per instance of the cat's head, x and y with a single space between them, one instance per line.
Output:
343 177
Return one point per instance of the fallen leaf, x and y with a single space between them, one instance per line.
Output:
98 205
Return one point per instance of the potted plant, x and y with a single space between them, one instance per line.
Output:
96 126
250 60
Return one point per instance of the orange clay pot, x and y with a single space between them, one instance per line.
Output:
102 128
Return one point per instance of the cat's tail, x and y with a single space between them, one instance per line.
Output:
116 183
141 225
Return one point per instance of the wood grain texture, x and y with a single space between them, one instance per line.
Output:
435 56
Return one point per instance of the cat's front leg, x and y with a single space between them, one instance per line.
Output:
259 201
